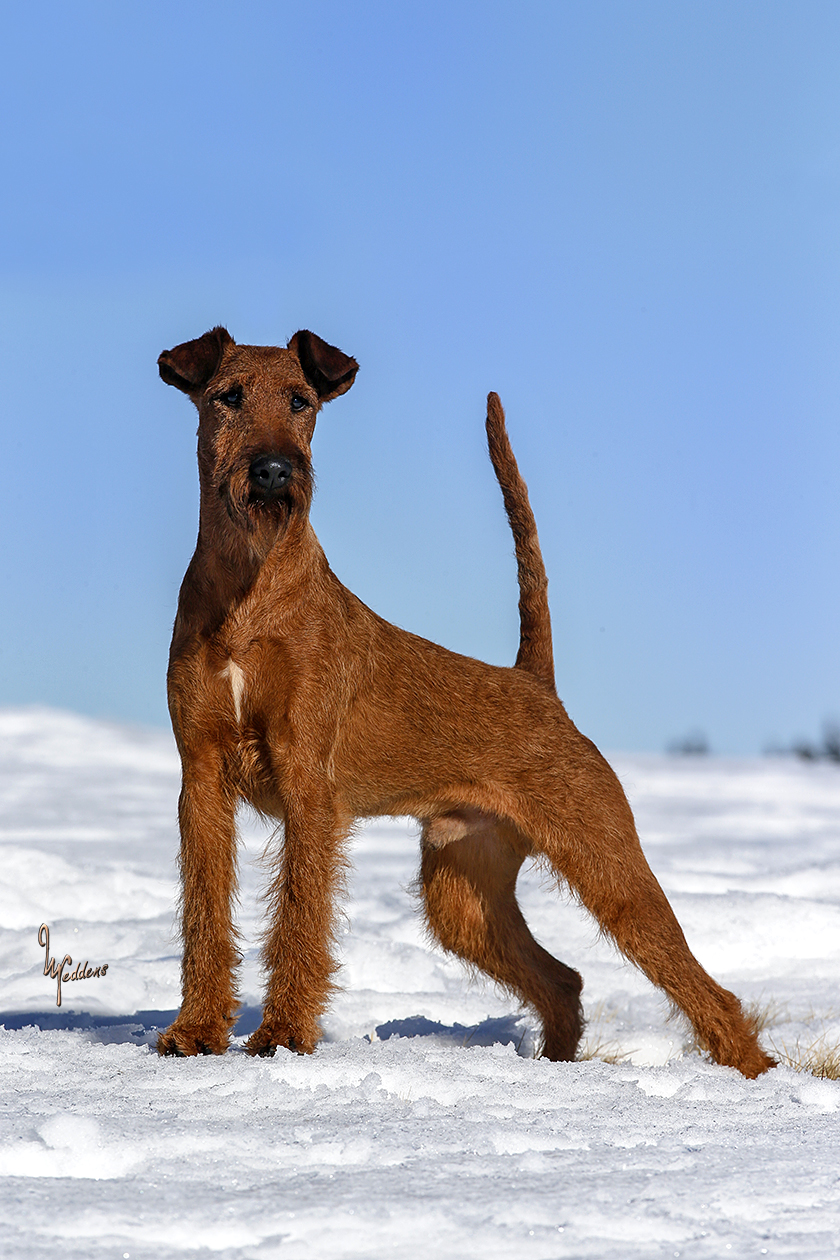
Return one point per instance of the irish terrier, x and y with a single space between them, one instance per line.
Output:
287 692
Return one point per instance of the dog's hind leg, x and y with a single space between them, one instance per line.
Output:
609 873
468 876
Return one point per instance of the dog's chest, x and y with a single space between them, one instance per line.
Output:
257 743
235 677
273 710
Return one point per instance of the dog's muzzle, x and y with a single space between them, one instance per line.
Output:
269 475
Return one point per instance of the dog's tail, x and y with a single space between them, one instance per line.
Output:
535 650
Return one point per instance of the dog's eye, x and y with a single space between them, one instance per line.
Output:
297 403
231 397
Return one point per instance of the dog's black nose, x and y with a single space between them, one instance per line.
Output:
269 474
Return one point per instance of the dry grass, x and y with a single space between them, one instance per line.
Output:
594 1045
818 1056
606 1051
769 1014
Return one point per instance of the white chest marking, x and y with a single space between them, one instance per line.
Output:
237 686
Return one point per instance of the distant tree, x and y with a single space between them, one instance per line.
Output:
831 741
694 744
827 750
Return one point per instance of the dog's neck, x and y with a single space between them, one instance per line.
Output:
229 564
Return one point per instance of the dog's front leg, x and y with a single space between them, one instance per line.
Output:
297 953
206 811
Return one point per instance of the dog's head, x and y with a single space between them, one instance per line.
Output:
257 407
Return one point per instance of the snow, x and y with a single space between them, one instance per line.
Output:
422 1125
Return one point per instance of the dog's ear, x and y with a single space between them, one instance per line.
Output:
327 369
191 365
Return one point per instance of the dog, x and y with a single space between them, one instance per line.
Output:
289 693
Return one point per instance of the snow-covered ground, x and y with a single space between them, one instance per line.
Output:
422 1126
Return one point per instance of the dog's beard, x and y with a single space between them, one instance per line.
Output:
258 519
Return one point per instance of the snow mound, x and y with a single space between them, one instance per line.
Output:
423 1124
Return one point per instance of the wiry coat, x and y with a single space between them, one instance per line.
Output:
286 691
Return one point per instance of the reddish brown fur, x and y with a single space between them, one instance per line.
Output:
286 691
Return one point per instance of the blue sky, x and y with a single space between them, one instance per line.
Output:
621 216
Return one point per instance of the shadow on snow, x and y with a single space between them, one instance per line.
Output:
142 1027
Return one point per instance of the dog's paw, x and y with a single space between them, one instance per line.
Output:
183 1040
268 1038
753 1063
